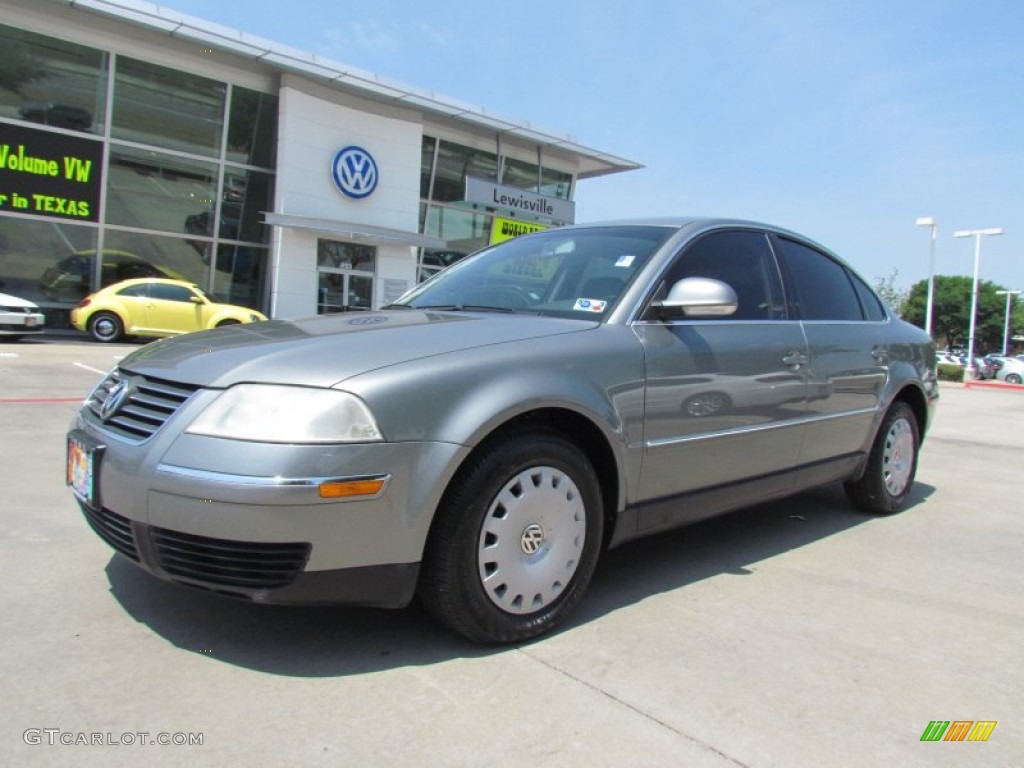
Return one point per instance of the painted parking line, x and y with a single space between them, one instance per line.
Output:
90 368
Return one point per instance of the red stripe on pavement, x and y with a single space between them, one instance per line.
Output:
41 400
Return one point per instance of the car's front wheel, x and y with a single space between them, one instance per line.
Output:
106 326
516 539
892 464
1013 378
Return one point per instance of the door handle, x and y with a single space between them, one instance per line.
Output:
795 359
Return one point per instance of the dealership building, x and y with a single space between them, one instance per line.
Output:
137 141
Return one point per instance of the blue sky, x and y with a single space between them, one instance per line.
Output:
844 120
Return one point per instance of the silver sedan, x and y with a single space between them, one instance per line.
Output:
480 442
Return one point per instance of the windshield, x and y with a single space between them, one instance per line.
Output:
578 273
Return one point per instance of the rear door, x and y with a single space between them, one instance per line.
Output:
848 366
725 396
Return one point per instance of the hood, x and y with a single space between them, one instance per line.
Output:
324 351
7 300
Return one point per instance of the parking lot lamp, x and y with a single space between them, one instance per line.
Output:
976 234
1006 327
928 221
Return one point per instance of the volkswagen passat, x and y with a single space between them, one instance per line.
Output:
481 441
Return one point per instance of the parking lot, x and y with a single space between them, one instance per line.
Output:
798 633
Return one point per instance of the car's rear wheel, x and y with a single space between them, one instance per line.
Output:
516 539
892 464
106 326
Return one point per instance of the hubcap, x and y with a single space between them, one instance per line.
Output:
105 326
531 540
898 457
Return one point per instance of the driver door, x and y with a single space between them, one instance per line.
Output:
726 396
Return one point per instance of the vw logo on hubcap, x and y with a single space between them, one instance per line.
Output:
532 539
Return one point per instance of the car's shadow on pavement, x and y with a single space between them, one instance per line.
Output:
340 641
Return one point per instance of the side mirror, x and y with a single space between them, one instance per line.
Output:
196 300
698 297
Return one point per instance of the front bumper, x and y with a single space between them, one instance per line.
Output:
247 519
21 323
263 573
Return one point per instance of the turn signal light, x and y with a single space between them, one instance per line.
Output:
341 489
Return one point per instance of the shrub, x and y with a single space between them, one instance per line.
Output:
950 372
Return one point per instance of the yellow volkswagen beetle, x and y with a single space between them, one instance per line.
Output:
154 307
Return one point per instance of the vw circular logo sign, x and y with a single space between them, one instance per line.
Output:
355 172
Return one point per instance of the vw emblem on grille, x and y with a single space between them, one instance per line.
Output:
531 539
355 172
115 398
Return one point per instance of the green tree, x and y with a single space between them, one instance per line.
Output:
952 309
887 291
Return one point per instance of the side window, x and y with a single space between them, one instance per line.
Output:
873 308
823 287
138 291
742 260
170 292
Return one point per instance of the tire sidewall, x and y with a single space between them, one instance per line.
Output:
883 500
472 502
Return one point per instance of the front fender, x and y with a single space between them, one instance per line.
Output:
462 397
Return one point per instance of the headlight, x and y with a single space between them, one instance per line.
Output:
267 413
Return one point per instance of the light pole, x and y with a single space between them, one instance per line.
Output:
1006 328
976 234
928 221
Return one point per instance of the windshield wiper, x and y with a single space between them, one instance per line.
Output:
397 306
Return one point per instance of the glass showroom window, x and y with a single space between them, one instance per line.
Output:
454 163
556 183
46 261
521 175
52 82
133 254
167 108
252 128
153 190
239 274
427 150
465 231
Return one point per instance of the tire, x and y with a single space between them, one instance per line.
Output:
892 464
516 539
106 327
1013 378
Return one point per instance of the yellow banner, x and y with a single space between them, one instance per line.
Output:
506 229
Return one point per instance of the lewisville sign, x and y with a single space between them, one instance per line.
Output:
49 174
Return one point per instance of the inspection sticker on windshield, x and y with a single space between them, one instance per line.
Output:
590 305
624 261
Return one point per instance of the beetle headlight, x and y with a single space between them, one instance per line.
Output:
270 413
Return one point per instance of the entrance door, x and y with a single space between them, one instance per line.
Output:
345 276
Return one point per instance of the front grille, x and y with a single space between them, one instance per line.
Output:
113 529
148 404
238 564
